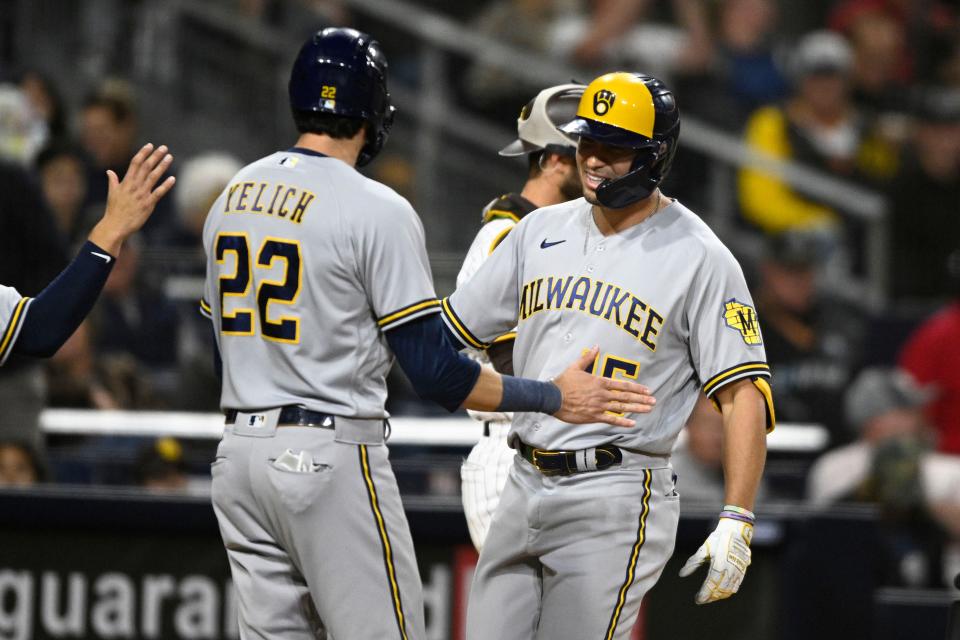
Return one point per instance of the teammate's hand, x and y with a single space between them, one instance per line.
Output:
589 398
131 201
728 550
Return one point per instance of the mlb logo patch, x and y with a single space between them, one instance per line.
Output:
743 319
256 421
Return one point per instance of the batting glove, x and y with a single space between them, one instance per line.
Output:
728 550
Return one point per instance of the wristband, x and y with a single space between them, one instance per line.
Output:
521 394
738 513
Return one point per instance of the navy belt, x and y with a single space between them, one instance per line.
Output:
292 415
566 463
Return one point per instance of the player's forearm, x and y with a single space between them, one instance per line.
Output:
744 441
486 393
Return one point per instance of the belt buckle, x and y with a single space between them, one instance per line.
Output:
536 462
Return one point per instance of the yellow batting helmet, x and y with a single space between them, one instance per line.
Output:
637 112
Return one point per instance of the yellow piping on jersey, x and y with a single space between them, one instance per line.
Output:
510 335
493 214
15 318
498 239
384 540
465 335
634 555
739 371
406 311
764 387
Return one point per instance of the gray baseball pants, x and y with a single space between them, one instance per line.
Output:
572 556
328 544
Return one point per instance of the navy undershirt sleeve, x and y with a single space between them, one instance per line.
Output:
426 354
58 310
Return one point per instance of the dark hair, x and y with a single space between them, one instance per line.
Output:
58 149
337 127
121 109
533 164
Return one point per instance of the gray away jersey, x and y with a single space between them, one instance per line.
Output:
665 301
13 309
308 263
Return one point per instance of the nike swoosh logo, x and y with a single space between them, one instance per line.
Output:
546 245
105 257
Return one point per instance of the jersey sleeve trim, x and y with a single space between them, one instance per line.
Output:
743 370
459 329
498 239
13 329
205 309
510 335
493 214
764 388
410 312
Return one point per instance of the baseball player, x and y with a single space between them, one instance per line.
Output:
551 178
39 326
588 516
316 278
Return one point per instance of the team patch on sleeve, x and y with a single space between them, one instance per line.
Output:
743 319
408 313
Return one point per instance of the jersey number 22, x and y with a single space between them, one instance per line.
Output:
285 290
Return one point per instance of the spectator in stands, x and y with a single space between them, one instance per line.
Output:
630 34
19 465
62 171
817 126
201 180
698 461
108 132
160 466
744 73
932 356
891 465
930 26
46 101
135 335
925 201
812 341
878 42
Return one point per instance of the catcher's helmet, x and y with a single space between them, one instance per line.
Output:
635 111
344 73
538 127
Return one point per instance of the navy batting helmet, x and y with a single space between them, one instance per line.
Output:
635 111
344 73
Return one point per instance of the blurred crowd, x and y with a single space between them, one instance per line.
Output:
867 91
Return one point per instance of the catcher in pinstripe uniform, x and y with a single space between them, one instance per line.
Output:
552 178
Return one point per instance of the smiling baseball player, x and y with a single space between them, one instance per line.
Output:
551 178
588 517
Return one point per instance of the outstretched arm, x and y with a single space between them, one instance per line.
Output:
58 310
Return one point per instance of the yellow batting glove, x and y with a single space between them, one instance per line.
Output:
728 551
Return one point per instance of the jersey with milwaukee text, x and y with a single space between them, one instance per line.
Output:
308 264
664 300
13 309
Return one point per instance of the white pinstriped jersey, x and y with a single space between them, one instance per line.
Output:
13 308
308 264
665 301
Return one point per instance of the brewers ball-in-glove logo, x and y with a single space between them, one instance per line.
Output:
743 318
603 101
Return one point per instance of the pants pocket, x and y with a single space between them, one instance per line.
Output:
298 490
